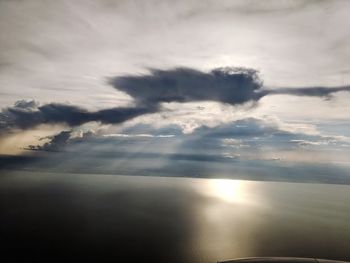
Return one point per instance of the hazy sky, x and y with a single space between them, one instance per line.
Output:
106 71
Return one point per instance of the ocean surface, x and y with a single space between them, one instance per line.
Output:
52 217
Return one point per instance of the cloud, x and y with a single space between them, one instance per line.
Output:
65 139
26 104
27 114
255 132
257 146
227 85
231 85
141 135
309 91
248 127
56 143
249 134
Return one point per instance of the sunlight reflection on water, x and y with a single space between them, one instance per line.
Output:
227 190
173 219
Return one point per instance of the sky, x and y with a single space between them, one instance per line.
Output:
181 88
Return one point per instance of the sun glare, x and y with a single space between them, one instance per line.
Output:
227 190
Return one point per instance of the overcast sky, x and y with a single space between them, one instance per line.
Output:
111 68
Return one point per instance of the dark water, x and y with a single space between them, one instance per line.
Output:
106 218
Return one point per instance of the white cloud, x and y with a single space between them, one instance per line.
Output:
49 47
62 51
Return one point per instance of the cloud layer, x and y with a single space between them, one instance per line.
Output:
226 85
27 114
309 91
229 85
245 149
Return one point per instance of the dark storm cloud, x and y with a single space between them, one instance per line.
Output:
309 91
61 140
233 86
226 85
55 144
27 114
